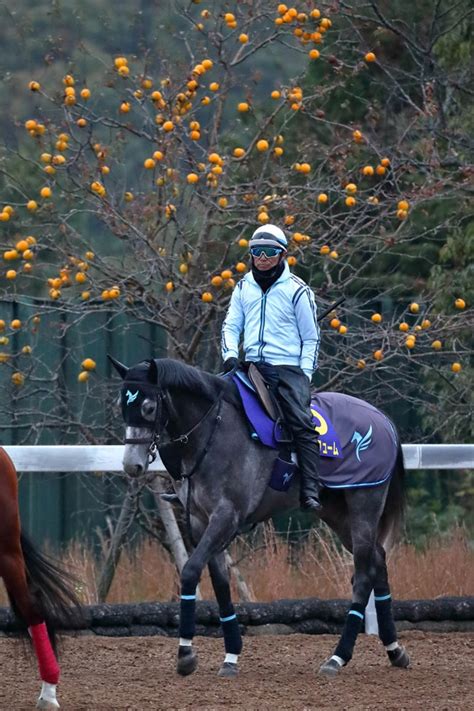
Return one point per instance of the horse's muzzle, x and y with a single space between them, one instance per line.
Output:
134 469
136 456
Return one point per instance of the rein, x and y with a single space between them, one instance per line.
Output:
184 438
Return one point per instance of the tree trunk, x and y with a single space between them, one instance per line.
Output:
173 534
245 594
125 520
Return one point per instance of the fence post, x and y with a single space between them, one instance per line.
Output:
371 624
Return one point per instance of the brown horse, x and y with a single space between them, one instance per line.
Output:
40 593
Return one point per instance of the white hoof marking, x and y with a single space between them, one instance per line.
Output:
47 698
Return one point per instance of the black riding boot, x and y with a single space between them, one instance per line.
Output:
294 394
310 490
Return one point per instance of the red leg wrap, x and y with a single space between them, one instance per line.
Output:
47 662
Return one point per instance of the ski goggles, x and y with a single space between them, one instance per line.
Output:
267 251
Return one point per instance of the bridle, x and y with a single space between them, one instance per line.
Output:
165 404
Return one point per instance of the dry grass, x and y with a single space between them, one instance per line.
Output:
275 569
443 568
147 574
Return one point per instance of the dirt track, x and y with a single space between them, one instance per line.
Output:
277 672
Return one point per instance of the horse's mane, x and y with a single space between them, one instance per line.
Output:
175 374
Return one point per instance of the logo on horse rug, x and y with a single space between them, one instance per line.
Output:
362 442
338 421
328 440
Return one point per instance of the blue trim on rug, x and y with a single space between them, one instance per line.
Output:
355 486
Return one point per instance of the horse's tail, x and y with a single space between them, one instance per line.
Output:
53 589
391 522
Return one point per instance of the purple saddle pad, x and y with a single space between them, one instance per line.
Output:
262 424
269 433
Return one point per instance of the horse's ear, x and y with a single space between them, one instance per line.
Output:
153 372
121 369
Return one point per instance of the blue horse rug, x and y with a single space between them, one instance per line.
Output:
358 444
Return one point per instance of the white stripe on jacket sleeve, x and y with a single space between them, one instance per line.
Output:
232 326
306 319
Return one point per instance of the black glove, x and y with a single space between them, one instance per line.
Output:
231 364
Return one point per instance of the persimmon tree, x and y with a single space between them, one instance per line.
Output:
136 191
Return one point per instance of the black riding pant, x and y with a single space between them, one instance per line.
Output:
293 392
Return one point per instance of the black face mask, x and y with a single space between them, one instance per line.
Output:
132 397
265 278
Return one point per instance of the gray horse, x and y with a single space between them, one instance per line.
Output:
221 476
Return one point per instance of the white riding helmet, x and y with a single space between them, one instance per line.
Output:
269 236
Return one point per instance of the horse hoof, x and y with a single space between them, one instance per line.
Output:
399 658
47 705
330 668
187 661
228 670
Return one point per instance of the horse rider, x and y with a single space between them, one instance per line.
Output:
276 312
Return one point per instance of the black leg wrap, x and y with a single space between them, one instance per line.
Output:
231 630
187 617
352 627
387 630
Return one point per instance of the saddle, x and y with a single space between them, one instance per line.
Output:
263 391
269 403
267 423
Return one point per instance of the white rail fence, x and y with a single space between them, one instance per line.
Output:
108 458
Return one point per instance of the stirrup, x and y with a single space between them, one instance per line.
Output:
281 432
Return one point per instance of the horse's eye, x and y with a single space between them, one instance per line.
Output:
148 409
